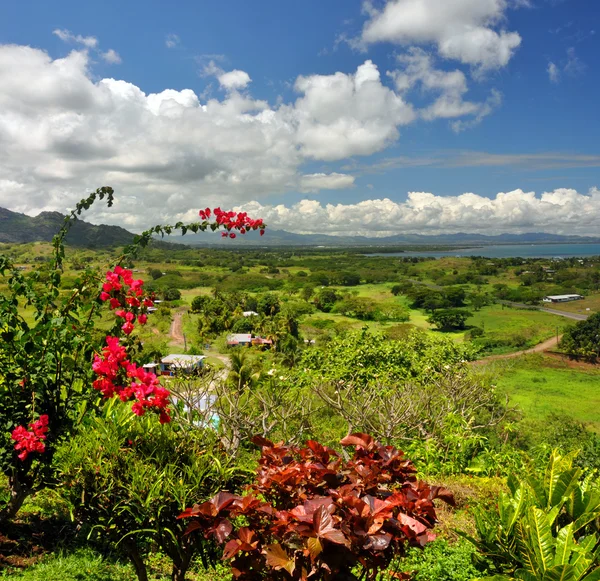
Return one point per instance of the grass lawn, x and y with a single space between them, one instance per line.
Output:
541 385
534 326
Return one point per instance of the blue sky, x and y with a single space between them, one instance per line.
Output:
263 106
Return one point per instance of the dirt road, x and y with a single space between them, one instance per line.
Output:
539 348
176 331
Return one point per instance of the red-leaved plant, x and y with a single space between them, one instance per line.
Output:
312 515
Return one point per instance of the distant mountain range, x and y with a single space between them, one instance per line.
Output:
283 238
20 228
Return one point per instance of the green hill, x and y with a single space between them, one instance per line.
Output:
20 228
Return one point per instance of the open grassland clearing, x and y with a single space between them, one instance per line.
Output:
541 385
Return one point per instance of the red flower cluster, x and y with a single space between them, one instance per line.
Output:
233 221
125 294
31 441
118 376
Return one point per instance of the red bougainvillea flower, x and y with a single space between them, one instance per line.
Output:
118 376
29 441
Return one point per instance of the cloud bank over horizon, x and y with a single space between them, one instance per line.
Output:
562 211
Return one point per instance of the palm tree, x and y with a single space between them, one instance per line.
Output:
242 373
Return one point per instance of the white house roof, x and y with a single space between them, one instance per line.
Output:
562 297
240 338
182 360
250 314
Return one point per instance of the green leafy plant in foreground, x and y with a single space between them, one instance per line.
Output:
545 528
126 479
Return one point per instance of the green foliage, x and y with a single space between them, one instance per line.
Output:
44 361
449 319
583 339
365 357
442 561
81 565
546 527
128 478
171 294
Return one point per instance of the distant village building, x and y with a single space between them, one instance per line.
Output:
178 363
243 339
246 340
250 314
562 298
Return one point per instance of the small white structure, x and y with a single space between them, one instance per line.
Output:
250 314
171 364
562 298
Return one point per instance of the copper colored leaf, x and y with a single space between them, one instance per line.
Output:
363 440
248 539
222 530
278 559
193 526
411 523
323 525
443 494
231 549
378 542
262 442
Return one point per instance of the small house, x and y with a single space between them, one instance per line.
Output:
242 339
173 364
250 314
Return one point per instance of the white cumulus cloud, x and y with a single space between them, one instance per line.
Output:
109 56
417 68
316 182
342 115
112 57
235 79
466 30
562 211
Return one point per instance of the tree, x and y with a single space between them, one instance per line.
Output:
455 296
172 294
199 303
268 304
326 298
583 339
155 273
449 319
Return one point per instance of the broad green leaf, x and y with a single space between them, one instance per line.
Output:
564 545
559 573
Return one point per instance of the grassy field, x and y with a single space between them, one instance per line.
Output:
541 385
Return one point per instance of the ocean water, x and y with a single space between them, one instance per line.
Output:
510 251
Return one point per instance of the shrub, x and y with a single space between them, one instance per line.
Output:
128 478
311 511
441 561
172 294
545 527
